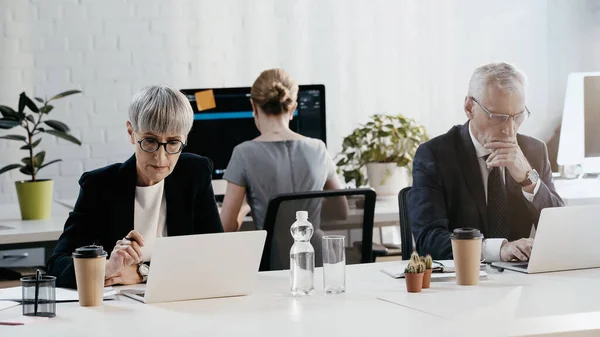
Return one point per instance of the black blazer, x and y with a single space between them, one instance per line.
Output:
448 191
104 210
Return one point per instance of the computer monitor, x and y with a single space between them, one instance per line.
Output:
223 119
579 137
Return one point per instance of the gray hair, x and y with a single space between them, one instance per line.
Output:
160 109
503 75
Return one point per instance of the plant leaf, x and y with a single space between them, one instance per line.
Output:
38 160
8 124
31 118
26 101
64 94
14 137
26 161
46 109
48 163
27 147
26 170
8 112
39 99
64 136
56 125
10 167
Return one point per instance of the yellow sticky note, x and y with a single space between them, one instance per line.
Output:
205 100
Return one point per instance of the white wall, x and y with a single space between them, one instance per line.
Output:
383 56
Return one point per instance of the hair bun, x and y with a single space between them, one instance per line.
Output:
281 93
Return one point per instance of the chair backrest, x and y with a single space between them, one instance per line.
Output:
349 212
405 231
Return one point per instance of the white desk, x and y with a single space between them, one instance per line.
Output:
532 305
15 230
579 191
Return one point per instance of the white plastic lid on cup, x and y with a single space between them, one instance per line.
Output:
301 215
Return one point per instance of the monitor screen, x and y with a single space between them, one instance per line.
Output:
591 115
223 119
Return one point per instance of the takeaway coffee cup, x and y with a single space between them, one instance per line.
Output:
466 248
90 262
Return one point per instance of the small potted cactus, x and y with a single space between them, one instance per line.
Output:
414 274
428 261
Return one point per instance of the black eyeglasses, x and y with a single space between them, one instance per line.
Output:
501 118
152 145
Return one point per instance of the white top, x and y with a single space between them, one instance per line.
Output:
150 215
491 247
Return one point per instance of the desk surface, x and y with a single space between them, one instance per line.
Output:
15 230
507 304
579 191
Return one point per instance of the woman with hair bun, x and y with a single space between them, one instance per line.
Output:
278 161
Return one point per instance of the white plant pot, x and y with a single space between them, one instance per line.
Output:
387 178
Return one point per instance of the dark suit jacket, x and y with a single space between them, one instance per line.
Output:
448 191
104 210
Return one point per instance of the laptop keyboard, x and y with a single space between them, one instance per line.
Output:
521 265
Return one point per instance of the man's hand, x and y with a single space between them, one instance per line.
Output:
509 155
516 250
125 254
127 275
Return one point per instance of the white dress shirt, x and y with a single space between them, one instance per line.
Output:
491 247
150 215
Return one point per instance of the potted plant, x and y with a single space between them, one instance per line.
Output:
413 274
35 195
428 262
384 147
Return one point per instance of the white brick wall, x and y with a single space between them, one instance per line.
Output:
412 57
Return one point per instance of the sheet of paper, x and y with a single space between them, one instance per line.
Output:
62 294
8 304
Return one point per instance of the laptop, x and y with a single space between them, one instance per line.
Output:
567 238
202 266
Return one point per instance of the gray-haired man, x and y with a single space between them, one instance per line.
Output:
483 174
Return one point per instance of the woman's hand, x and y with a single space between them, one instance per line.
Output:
126 254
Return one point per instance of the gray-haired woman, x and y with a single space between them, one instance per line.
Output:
157 192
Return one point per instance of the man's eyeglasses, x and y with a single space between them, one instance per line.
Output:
501 118
152 145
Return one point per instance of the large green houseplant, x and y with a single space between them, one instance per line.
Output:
383 148
35 195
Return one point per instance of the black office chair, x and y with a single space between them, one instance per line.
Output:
323 212
405 230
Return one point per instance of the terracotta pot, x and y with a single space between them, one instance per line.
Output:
427 278
414 282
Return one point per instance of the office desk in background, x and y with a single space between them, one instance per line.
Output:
17 233
28 243
507 304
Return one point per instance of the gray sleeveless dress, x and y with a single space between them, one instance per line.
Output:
270 168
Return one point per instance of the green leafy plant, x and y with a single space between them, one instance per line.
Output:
32 123
383 139
415 266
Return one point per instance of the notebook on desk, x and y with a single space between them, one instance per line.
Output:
445 267
202 266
